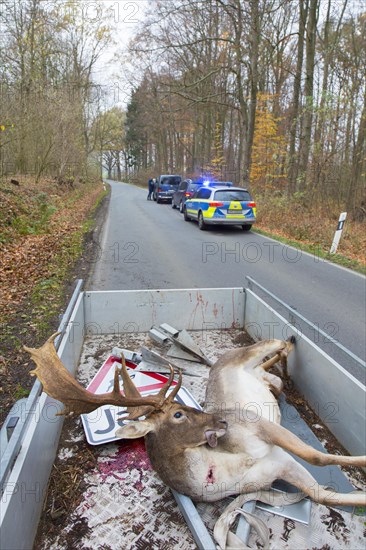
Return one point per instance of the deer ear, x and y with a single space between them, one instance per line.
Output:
133 430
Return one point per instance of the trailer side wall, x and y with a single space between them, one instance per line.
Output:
25 489
336 396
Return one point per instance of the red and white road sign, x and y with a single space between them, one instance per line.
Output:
100 425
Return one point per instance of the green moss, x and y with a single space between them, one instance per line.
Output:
20 392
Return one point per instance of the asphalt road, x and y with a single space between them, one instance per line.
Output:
145 245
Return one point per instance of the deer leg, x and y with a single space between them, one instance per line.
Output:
252 356
297 475
274 382
278 435
283 350
284 354
280 356
270 362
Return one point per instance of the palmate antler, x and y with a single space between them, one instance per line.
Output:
61 385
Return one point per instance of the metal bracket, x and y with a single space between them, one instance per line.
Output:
180 339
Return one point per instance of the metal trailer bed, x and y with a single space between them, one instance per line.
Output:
31 450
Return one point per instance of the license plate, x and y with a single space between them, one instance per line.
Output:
234 211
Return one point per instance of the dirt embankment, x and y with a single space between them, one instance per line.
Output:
46 241
313 224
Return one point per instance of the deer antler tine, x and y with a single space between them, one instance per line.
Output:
163 391
129 387
59 383
130 390
116 384
176 388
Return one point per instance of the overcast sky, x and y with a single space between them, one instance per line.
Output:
124 16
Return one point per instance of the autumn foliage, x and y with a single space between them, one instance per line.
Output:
41 235
268 169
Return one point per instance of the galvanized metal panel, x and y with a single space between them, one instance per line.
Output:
334 394
25 488
170 330
198 529
71 344
114 312
158 336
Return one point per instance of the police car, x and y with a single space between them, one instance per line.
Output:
221 205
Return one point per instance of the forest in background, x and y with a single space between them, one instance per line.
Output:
50 99
50 180
266 93
270 93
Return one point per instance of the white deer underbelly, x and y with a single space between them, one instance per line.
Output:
244 393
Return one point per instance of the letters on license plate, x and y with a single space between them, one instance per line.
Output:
232 211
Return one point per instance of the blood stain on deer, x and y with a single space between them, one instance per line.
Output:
210 475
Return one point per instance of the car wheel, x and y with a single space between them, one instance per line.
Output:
246 227
187 219
158 200
201 222
181 207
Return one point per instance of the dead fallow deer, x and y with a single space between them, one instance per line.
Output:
234 447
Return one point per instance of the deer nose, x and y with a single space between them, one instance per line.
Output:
223 423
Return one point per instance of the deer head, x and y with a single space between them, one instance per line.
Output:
161 412
180 425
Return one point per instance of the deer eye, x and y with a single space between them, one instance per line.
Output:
178 414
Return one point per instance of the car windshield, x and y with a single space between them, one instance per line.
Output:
232 195
194 186
171 180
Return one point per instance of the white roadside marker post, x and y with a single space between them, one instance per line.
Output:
338 233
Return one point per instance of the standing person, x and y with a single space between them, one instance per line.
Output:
151 188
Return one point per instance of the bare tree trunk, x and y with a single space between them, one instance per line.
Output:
295 113
309 95
328 46
357 185
118 164
347 146
254 53
43 162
